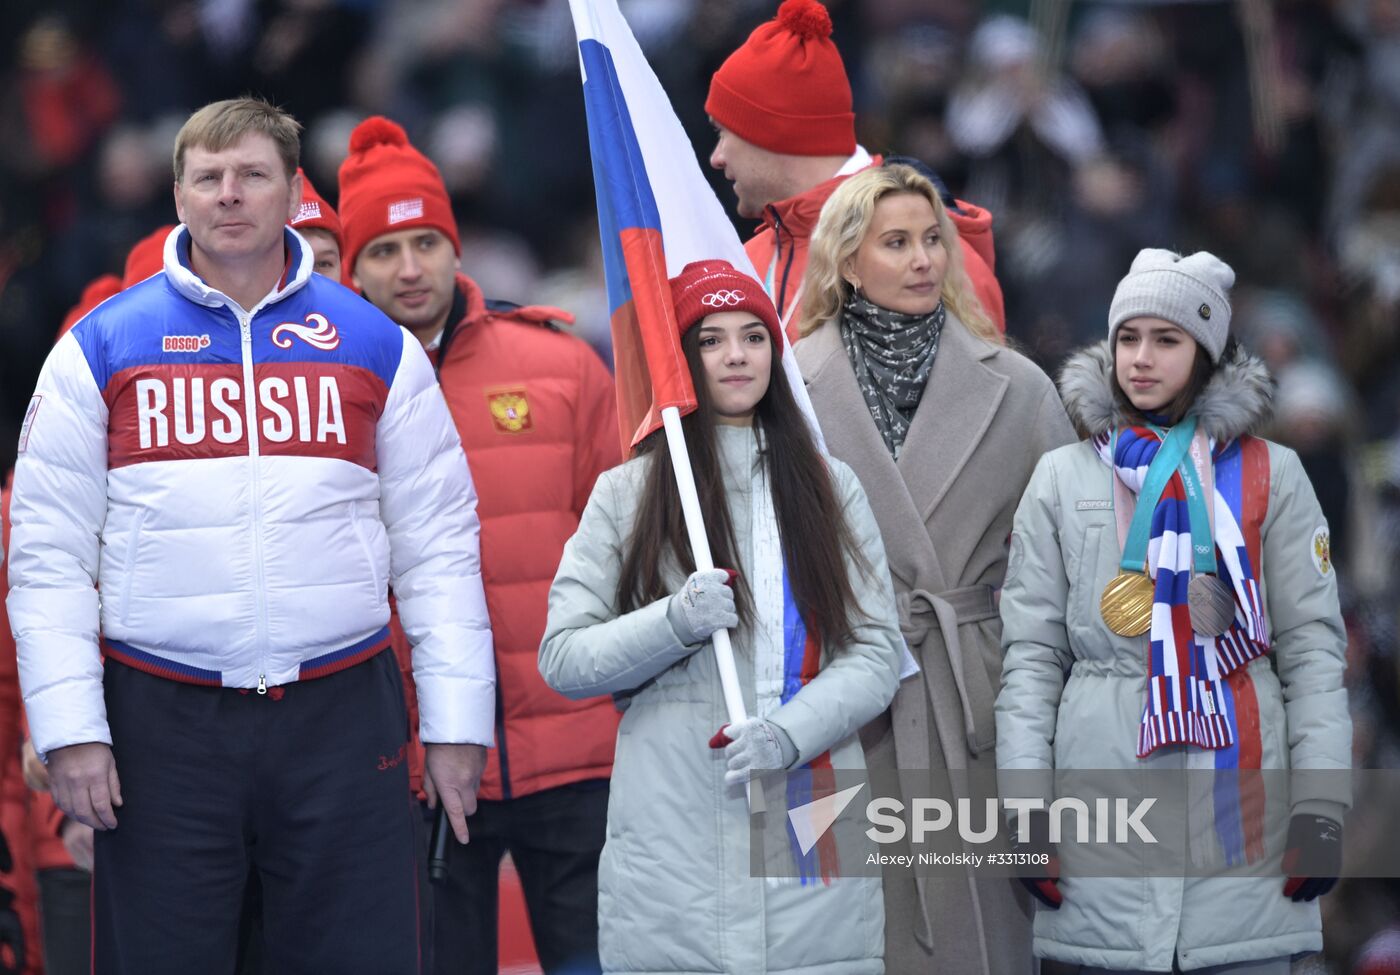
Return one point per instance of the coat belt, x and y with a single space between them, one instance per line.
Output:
919 612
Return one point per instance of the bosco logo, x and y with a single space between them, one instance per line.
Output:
719 299
184 343
317 332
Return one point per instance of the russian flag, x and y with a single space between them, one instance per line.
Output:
656 214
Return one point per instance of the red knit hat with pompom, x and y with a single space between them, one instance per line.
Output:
785 89
386 186
315 213
707 287
146 257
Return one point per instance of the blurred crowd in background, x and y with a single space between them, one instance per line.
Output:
1267 131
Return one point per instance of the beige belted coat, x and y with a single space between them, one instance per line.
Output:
945 511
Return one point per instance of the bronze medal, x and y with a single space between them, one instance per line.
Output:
1126 604
1212 604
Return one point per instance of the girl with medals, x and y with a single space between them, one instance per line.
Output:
1171 604
817 646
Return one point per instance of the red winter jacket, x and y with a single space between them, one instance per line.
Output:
45 818
11 716
33 843
538 421
21 881
787 230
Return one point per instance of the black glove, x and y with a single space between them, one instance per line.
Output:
1313 859
11 936
1040 878
7 863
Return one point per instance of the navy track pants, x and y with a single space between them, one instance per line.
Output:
309 788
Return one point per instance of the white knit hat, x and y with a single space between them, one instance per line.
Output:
1192 293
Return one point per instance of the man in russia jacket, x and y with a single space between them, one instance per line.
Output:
536 414
223 470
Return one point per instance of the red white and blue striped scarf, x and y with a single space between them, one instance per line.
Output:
1188 700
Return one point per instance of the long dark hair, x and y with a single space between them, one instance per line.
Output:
1203 370
813 529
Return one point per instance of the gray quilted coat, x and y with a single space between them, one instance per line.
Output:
1072 691
675 892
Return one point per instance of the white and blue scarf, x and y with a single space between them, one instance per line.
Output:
1188 701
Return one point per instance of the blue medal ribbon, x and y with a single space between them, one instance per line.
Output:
1202 544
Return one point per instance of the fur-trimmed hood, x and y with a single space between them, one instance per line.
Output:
1237 400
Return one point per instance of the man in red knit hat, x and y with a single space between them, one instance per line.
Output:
781 105
317 222
536 414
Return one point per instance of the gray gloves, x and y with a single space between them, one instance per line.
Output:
704 604
753 745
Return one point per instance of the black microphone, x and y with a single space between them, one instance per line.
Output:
437 849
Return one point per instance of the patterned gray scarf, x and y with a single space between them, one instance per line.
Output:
892 355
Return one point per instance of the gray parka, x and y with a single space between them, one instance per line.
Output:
675 892
1073 691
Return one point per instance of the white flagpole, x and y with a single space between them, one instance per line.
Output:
695 228
700 548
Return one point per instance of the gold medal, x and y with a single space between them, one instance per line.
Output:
1126 604
1212 604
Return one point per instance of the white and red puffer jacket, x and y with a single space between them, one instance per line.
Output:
244 488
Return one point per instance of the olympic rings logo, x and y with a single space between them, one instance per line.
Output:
717 299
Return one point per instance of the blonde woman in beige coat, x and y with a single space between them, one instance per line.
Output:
915 390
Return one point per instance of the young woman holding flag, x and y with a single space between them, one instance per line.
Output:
1171 605
817 647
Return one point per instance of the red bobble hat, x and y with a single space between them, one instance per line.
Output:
315 213
386 186
706 287
785 88
146 257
